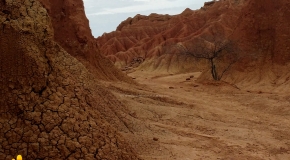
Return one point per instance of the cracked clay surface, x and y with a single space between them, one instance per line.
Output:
50 106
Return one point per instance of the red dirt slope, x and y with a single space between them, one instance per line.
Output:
264 36
152 36
72 32
260 30
51 106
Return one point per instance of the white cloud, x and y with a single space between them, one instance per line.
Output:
147 5
105 15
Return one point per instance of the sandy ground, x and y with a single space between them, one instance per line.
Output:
174 118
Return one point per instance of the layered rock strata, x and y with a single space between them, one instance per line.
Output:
259 30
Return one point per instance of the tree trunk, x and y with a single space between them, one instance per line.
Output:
213 70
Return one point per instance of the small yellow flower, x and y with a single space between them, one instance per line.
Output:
19 157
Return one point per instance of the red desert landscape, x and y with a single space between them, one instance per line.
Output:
212 83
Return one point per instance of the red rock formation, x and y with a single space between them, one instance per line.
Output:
260 30
131 34
51 106
264 36
148 36
72 32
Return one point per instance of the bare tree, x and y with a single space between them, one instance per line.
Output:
213 50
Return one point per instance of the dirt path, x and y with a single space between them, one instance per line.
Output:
174 118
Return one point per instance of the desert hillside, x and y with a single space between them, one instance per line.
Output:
206 84
52 105
72 32
253 38
159 35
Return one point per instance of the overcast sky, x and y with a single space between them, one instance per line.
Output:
106 15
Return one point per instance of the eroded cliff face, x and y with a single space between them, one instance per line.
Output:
260 30
51 106
264 36
158 36
72 32
262 55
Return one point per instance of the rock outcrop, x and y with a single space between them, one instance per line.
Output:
124 44
72 32
51 106
259 29
264 36
158 36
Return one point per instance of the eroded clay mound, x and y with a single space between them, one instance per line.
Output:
72 32
157 37
264 36
259 30
50 106
262 59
